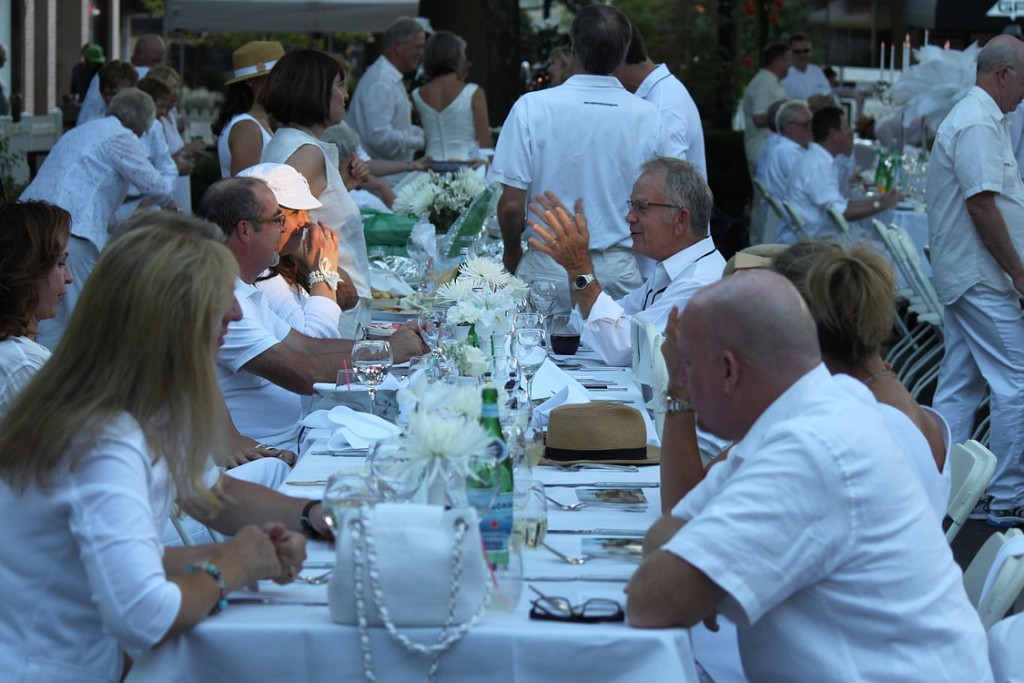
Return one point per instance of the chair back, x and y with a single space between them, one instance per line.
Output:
839 221
648 363
758 210
995 577
796 219
972 468
776 218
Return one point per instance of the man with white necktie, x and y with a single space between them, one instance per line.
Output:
669 211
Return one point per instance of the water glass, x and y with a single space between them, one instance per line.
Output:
529 352
347 489
543 294
371 360
389 463
530 512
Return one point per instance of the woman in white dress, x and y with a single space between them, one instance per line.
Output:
453 113
34 276
95 450
306 94
242 127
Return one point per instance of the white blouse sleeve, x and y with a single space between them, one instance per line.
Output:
129 159
316 316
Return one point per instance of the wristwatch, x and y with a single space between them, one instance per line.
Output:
675 405
326 273
877 204
581 282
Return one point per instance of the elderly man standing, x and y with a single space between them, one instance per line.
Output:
810 536
814 181
804 79
585 138
656 84
669 211
763 90
976 231
381 111
88 173
264 365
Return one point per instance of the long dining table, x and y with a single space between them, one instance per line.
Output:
286 633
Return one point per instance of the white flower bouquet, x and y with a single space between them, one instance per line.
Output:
438 197
484 295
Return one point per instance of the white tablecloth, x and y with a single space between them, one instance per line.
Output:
300 643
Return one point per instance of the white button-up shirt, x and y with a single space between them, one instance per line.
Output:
674 281
680 114
778 164
971 154
813 188
800 85
381 113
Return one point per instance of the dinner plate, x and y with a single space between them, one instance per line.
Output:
382 330
395 316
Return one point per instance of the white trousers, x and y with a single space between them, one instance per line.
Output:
984 339
616 269
82 256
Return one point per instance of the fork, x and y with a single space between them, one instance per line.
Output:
316 580
567 558
568 507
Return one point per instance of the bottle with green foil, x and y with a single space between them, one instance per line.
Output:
496 524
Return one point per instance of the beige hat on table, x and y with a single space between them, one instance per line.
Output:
599 431
255 58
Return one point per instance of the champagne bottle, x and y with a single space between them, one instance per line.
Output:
496 524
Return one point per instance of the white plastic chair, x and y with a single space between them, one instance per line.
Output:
840 222
796 219
995 577
648 363
758 211
973 466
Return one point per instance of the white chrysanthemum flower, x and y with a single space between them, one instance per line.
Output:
472 363
456 291
437 445
518 289
487 271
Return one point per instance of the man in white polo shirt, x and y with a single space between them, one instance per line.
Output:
804 79
810 536
264 365
585 138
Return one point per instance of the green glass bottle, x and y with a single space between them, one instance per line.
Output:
496 524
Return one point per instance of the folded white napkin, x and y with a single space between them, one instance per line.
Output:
358 430
387 281
390 383
563 390
318 419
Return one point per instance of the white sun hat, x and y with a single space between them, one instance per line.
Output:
287 184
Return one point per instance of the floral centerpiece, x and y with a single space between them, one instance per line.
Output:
484 295
439 197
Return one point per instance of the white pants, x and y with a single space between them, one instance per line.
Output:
616 269
82 256
984 339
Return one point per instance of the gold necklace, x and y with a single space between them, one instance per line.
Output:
878 375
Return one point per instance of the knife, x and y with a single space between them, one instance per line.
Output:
581 577
344 451
636 533
603 485
276 601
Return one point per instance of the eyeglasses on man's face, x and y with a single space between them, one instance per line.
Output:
642 207
279 219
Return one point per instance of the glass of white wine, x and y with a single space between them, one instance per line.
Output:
371 360
530 513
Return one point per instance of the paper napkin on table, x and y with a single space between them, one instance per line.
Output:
563 389
390 383
358 430
387 281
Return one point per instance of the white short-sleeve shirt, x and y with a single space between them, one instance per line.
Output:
260 409
764 89
314 316
971 154
832 561
680 114
800 85
778 164
813 188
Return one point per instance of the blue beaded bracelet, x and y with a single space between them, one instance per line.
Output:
211 569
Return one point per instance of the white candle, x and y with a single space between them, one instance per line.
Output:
881 63
906 52
892 62
926 36
945 45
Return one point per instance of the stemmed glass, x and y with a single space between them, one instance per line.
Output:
543 294
430 322
529 351
424 262
371 360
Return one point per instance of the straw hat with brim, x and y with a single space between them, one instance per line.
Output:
599 432
254 59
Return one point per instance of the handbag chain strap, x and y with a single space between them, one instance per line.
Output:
364 560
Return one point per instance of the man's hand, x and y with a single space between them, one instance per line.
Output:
319 242
561 236
406 343
290 547
673 362
347 296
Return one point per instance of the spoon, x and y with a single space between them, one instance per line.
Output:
568 507
567 558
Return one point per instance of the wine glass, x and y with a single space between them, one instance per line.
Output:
430 321
424 262
521 320
371 360
529 351
543 294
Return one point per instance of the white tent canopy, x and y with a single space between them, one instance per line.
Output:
326 16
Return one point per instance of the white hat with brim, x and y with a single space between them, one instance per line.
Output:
287 184
254 59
